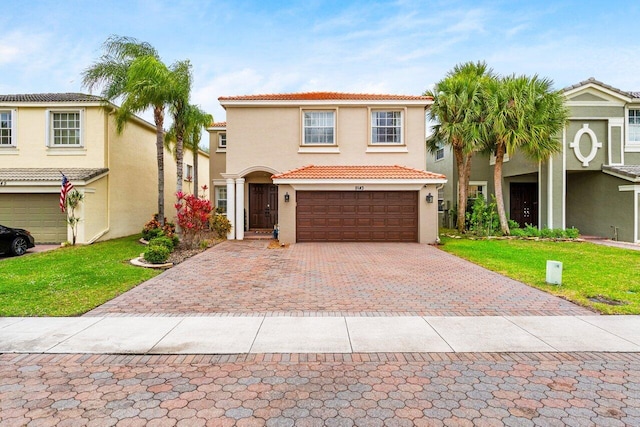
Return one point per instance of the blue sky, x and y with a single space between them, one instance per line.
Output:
401 47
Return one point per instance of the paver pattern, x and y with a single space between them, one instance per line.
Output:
306 279
321 389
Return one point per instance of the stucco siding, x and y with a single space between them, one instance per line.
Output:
32 149
94 212
596 207
133 179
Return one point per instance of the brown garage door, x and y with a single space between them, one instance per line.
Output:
357 216
38 213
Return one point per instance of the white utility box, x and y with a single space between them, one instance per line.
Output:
554 272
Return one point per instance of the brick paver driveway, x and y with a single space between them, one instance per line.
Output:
245 277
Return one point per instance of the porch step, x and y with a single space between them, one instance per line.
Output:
259 234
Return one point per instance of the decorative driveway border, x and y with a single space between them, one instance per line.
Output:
245 278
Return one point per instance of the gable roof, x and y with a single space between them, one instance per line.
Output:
324 96
51 97
593 81
395 172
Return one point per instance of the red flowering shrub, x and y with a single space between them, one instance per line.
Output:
193 217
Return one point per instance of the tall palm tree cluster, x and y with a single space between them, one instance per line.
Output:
132 72
478 111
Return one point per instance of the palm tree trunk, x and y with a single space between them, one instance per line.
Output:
195 171
497 182
462 189
158 117
179 160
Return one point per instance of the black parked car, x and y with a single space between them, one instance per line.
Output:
15 241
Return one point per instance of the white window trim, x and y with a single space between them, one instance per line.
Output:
14 128
492 158
302 127
222 148
441 146
403 126
630 146
48 123
482 184
217 198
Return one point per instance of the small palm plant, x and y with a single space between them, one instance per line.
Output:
73 201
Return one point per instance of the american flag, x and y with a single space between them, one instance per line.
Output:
64 189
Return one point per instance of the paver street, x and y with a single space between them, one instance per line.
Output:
322 389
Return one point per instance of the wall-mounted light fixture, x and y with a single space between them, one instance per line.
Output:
286 197
429 198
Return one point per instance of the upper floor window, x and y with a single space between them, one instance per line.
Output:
440 150
386 127
634 126
222 140
65 129
319 127
7 133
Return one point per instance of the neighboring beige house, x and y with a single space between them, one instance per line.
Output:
42 135
325 167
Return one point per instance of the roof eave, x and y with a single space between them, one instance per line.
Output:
324 102
359 181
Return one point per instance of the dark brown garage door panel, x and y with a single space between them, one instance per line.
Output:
357 216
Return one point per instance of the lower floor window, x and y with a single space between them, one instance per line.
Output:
221 199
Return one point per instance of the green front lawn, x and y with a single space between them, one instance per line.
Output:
589 270
69 281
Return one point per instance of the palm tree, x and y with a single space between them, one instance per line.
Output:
132 70
524 113
194 120
458 107
180 87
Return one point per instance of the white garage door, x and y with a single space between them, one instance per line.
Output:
38 213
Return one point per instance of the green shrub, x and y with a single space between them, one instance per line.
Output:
162 241
152 233
531 231
156 254
572 233
154 229
513 224
220 224
483 219
518 232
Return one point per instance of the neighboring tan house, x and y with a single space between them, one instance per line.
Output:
325 167
593 184
44 135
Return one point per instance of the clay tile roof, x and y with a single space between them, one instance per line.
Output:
49 174
325 96
50 97
218 125
357 172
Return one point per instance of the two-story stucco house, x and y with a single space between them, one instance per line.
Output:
325 167
592 184
45 135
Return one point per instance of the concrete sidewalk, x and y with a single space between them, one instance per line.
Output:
262 334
